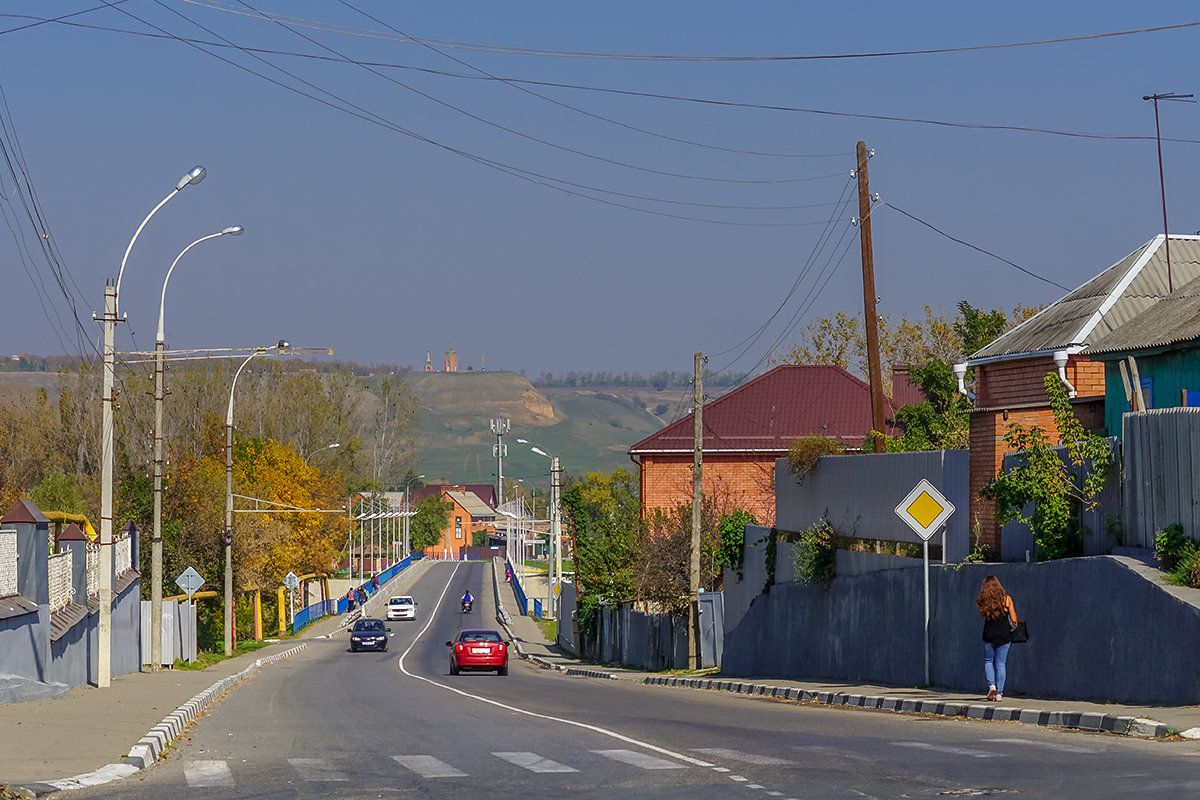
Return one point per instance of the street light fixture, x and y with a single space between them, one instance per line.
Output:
227 536
111 291
156 577
321 449
407 510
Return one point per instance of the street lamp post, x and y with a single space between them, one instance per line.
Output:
308 458
104 632
407 509
156 578
227 536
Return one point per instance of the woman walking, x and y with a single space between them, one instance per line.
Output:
996 608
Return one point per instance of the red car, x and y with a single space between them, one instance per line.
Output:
478 650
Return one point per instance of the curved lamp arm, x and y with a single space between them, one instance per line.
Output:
234 230
193 177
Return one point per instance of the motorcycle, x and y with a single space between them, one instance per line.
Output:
466 606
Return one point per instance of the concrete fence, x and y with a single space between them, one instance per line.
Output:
1101 628
49 607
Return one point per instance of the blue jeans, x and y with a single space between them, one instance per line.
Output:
994 657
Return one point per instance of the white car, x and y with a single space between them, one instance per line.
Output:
401 607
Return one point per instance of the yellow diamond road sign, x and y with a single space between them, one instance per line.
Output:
925 509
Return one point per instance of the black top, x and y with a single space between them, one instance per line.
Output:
999 630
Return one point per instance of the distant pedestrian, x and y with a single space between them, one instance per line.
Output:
374 583
351 600
999 618
362 597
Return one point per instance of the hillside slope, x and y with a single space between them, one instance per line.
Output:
587 429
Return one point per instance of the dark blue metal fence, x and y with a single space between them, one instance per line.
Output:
537 610
522 603
342 604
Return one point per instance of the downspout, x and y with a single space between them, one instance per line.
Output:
1060 360
960 370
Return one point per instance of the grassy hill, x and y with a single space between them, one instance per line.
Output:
588 429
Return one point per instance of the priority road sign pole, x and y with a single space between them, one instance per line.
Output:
926 548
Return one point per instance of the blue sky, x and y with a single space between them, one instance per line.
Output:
380 229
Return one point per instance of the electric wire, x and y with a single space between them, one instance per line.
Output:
576 109
329 27
509 130
354 110
653 95
941 232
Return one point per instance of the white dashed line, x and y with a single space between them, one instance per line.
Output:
208 773
534 763
429 767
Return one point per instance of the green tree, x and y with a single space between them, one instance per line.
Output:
58 491
432 518
733 535
1058 486
604 514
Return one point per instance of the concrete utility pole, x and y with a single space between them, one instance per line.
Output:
104 634
500 428
697 497
869 300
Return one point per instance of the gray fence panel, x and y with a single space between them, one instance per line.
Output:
712 628
858 495
1162 466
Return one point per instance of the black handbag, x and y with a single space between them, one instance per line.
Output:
1017 631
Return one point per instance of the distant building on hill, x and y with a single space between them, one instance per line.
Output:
451 360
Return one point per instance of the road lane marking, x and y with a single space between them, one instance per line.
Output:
738 755
517 710
954 751
429 767
1062 748
316 769
534 763
636 759
207 773
833 751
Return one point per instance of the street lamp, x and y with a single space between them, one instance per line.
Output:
227 536
321 449
555 534
104 628
156 536
407 509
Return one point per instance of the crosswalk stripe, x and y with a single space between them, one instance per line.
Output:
636 759
429 767
738 755
534 763
954 751
208 773
316 769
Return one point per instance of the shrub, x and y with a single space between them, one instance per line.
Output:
805 451
815 557
1172 546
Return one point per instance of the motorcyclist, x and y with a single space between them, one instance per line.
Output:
467 600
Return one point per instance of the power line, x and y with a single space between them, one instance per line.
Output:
634 93
941 232
328 27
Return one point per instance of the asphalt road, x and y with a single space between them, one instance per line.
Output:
334 724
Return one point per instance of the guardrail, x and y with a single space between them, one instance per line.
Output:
310 614
519 590
343 602
537 610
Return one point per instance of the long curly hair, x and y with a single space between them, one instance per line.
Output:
991 598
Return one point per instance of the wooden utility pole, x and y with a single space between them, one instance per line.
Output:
868 270
697 474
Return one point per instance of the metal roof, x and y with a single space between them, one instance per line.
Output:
1086 317
766 414
472 504
1174 320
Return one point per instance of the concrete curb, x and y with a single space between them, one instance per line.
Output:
506 620
1071 720
150 747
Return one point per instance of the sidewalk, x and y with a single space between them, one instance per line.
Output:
1144 721
91 731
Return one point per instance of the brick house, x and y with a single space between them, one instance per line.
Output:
468 514
1064 338
748 428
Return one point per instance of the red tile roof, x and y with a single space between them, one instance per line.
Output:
768 412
